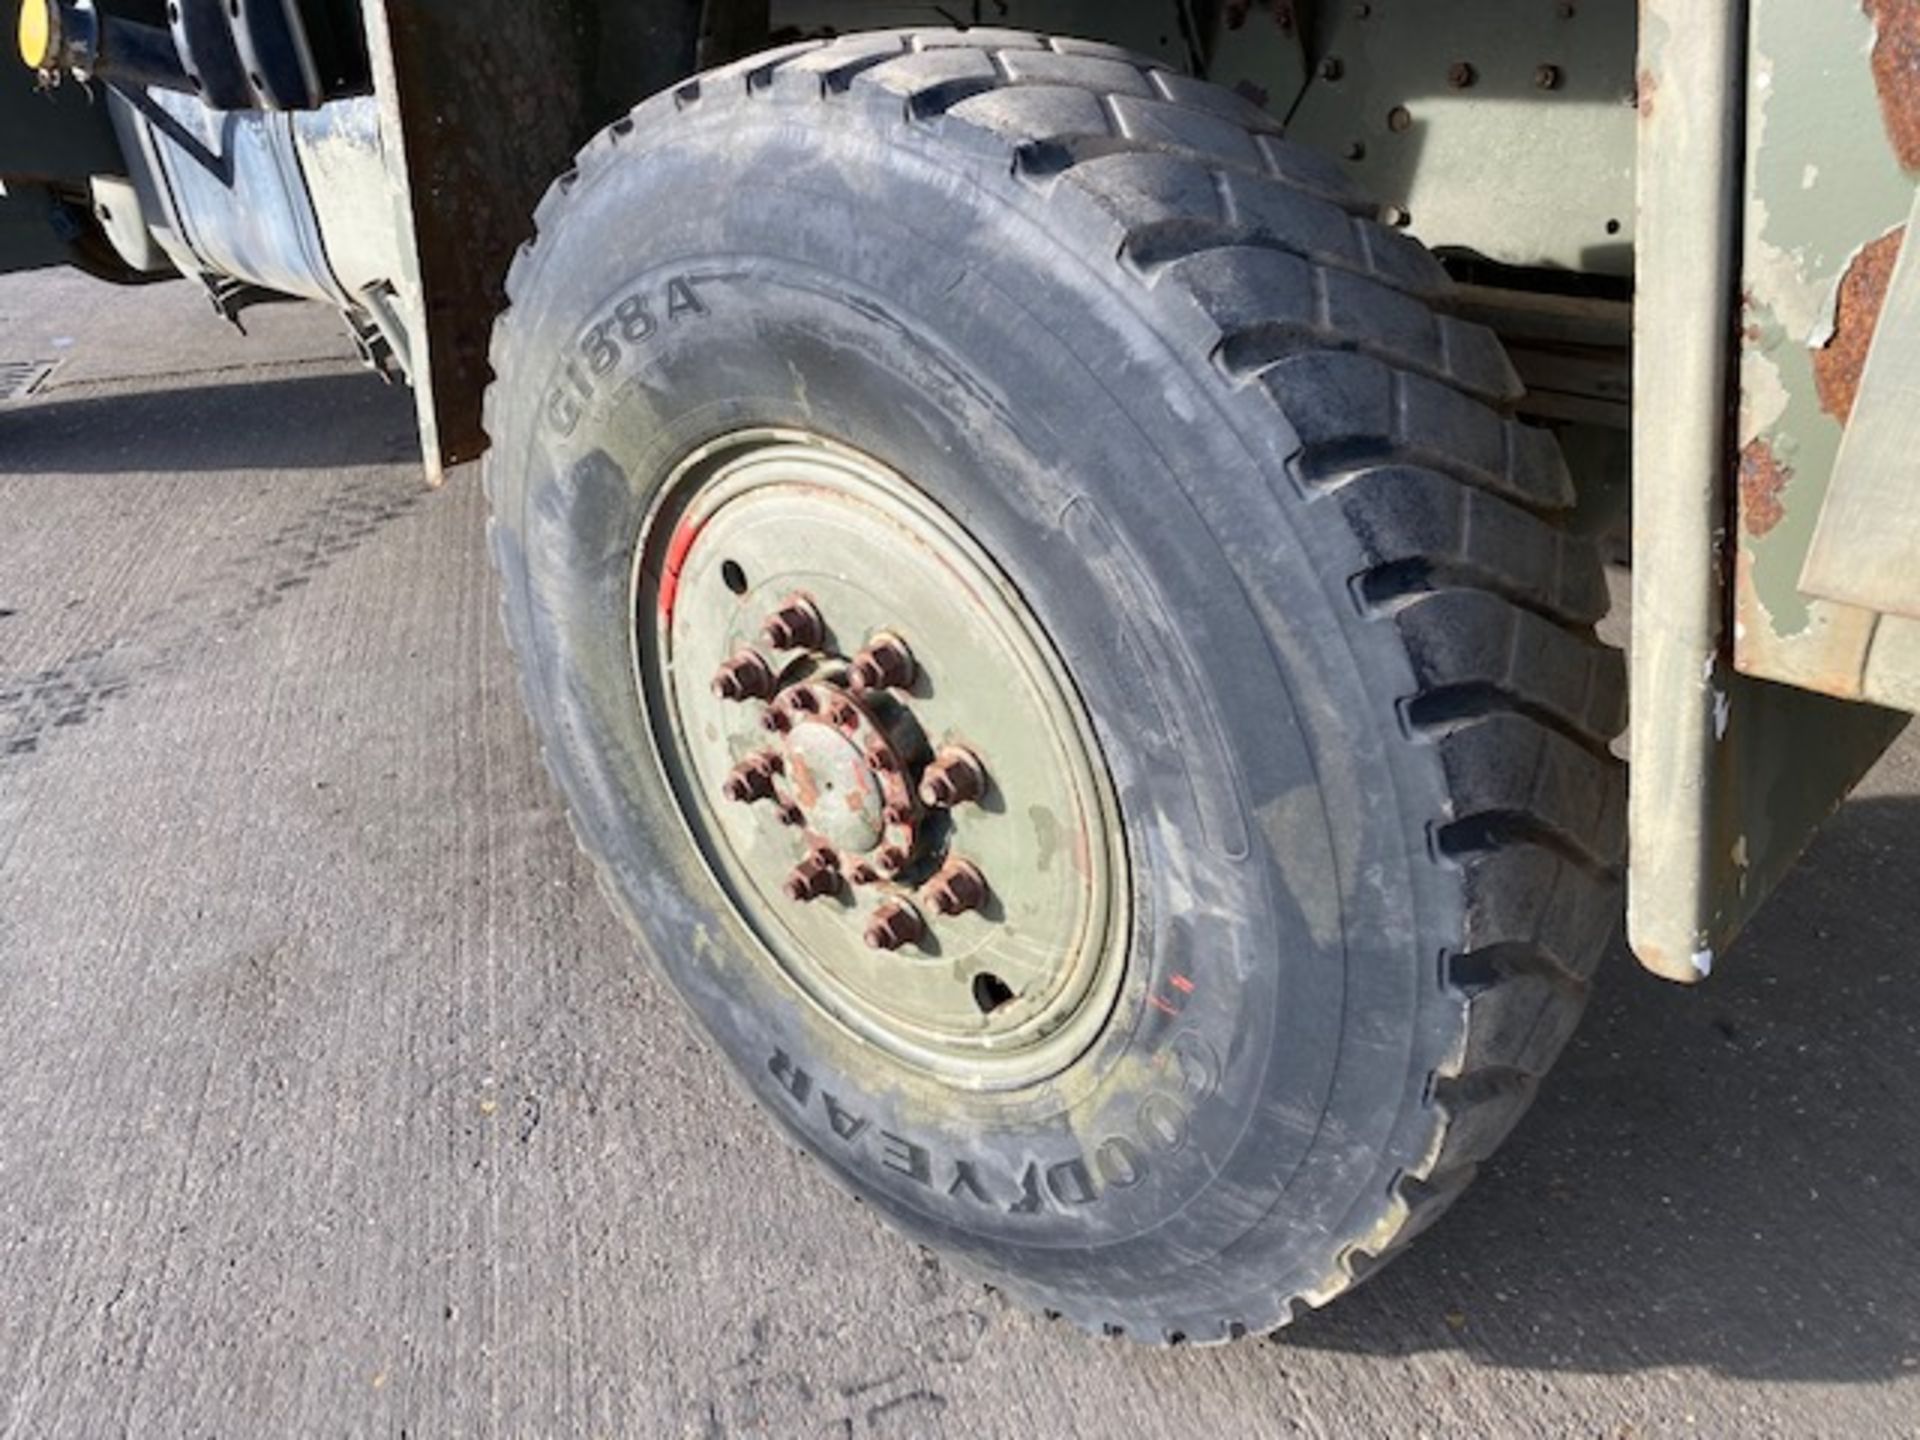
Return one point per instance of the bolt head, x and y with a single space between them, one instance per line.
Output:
957 888
813 877
953 777
775 721
1460 75
1547 77
885 664
891 859
746 676
794 625
894 924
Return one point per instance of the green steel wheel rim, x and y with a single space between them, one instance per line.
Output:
881 759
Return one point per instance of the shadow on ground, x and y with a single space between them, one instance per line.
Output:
1722 1177
294 421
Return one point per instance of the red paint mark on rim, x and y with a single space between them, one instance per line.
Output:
677 549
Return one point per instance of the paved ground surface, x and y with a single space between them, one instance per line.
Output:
332 1102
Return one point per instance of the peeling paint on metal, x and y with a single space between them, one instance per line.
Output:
1896 73
1762 481
1838 363
1812 110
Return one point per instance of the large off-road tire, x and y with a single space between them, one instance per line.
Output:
1274 647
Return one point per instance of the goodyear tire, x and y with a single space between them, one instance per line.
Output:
1266 500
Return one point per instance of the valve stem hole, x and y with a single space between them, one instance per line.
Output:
733 577
990 992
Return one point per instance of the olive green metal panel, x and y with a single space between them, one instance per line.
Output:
1687 205
1730 773
1866 547
1502 129
1833 110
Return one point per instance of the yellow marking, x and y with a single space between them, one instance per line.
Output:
36 32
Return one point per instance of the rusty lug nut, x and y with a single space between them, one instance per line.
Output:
745 677
776 721
863 874
796 625
894 923
900 812
813 877
886 664
805 701
752 779
880 758
1460 75
953 777
891 860
845 716
791 814
958 888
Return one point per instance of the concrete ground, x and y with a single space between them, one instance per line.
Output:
332 1101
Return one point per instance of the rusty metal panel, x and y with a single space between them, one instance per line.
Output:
1730 774
1501 129
1833 121
482 104
1866 546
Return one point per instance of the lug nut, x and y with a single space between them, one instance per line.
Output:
957 888
752 778
891 860
796 625
863 874
886 664
813 877
952 777
900 812
880 758
894 923
745 677
846 717
791 814
775 721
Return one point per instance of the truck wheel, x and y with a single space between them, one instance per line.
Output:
1055 641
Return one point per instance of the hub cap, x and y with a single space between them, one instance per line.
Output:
881 759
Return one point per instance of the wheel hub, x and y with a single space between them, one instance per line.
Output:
881 758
